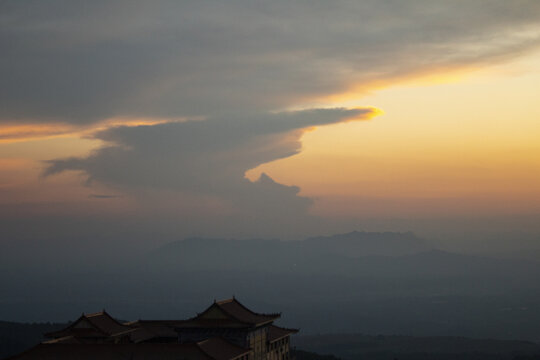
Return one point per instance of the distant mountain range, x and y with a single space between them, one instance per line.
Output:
312 254
388 283
17 337
357 346
358 244
355 254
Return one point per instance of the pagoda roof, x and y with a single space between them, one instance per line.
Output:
99 324
219 348
65 340
141 330
229 313
276 333
139 323
211 349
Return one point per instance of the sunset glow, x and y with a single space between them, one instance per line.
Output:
371 168
452 125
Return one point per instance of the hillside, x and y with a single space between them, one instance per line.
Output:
356 346
17 337
319 286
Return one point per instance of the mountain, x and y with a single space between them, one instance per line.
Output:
387 283
356 244
377 256
317 254
357 346
17 337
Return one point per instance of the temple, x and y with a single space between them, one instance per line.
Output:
226 330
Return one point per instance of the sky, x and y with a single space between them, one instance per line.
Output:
143 122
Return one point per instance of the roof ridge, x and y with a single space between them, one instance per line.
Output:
218 303
201 349
85 317
71 326
104 313
225 301
57 340
234 300
130 330
200 345
236 311
284 328
221 338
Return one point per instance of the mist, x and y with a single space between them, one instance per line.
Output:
132 138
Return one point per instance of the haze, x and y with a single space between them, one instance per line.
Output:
126 126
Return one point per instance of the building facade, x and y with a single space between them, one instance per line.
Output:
226 330
236 323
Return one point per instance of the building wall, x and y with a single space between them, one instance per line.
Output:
257 341
237 337
279 349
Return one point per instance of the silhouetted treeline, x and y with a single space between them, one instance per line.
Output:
306 355
357 346
17 337
374 283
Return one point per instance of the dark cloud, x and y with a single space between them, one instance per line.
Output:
204 156
84 61
81 61
174 168
103 196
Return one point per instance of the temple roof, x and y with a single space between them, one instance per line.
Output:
138 323
229 313
211 349
66 340
99 324
219 348
142 330
106 322
276 333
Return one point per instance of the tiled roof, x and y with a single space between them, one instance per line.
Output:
234 308
65 340
138 323
275 332
106 322
230 313
114 352
211 349
221 349
212 323
142 331
101 325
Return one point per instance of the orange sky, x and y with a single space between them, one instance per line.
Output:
446 144
454 145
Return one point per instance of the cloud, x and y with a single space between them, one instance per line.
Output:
81 62
103 196
209 158
22 132
237 64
